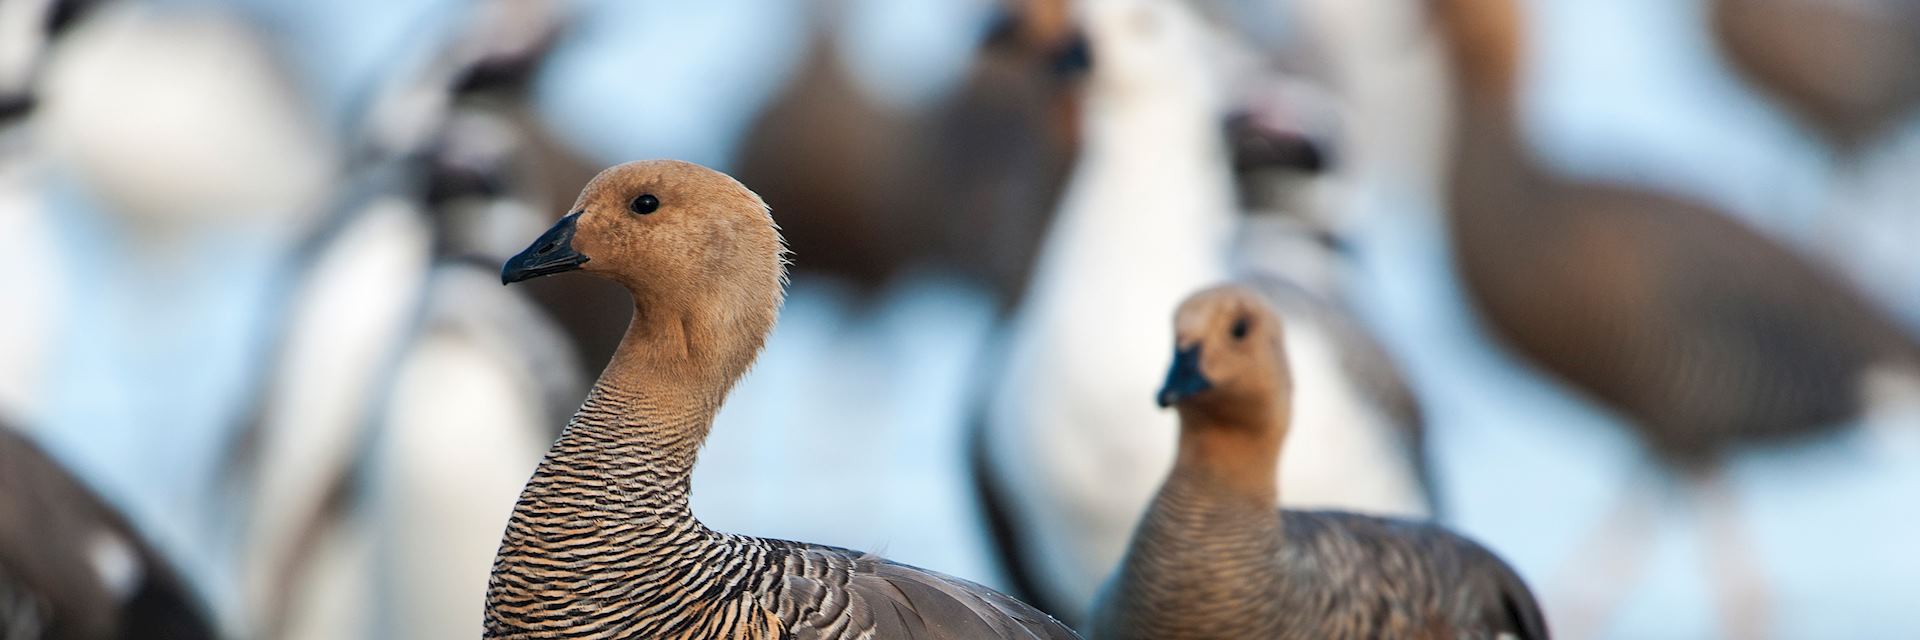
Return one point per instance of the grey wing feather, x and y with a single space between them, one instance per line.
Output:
839 594
1478 590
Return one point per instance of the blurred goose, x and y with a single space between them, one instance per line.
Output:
1844 66
1214 556
1067 456
1003 144
966 184
602 540
1707 335
71 568
851 216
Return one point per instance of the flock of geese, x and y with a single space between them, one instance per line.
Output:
1135 182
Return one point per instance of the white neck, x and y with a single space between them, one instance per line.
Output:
1152 184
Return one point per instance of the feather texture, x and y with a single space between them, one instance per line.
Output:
1206 567
603 543
1212 559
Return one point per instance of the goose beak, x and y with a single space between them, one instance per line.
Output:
552 253
1184 379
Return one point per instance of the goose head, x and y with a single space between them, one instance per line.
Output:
698 251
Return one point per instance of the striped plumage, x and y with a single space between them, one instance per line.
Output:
577 564
602 543
1215 557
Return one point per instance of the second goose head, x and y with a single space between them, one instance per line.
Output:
1229 362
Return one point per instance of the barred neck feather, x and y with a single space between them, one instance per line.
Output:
603 542
1205 561
1204 564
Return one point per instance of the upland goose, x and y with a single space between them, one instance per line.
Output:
602 542
1214 557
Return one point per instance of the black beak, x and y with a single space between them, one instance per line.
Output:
1183 378
552 253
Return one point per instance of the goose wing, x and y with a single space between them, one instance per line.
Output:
828 593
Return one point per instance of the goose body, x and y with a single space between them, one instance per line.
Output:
1305 574
1214 557
653 571
602 542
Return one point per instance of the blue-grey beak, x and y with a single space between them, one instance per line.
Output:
552 253
1183 378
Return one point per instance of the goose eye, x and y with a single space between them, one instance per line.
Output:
1240 329
644 204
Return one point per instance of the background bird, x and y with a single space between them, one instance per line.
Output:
1709 336
964 184
1214 556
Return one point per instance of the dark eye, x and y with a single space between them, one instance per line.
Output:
644 204
1240 329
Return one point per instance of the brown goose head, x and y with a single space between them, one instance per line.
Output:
697 250
1229 362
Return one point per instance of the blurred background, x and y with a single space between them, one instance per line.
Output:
249 307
